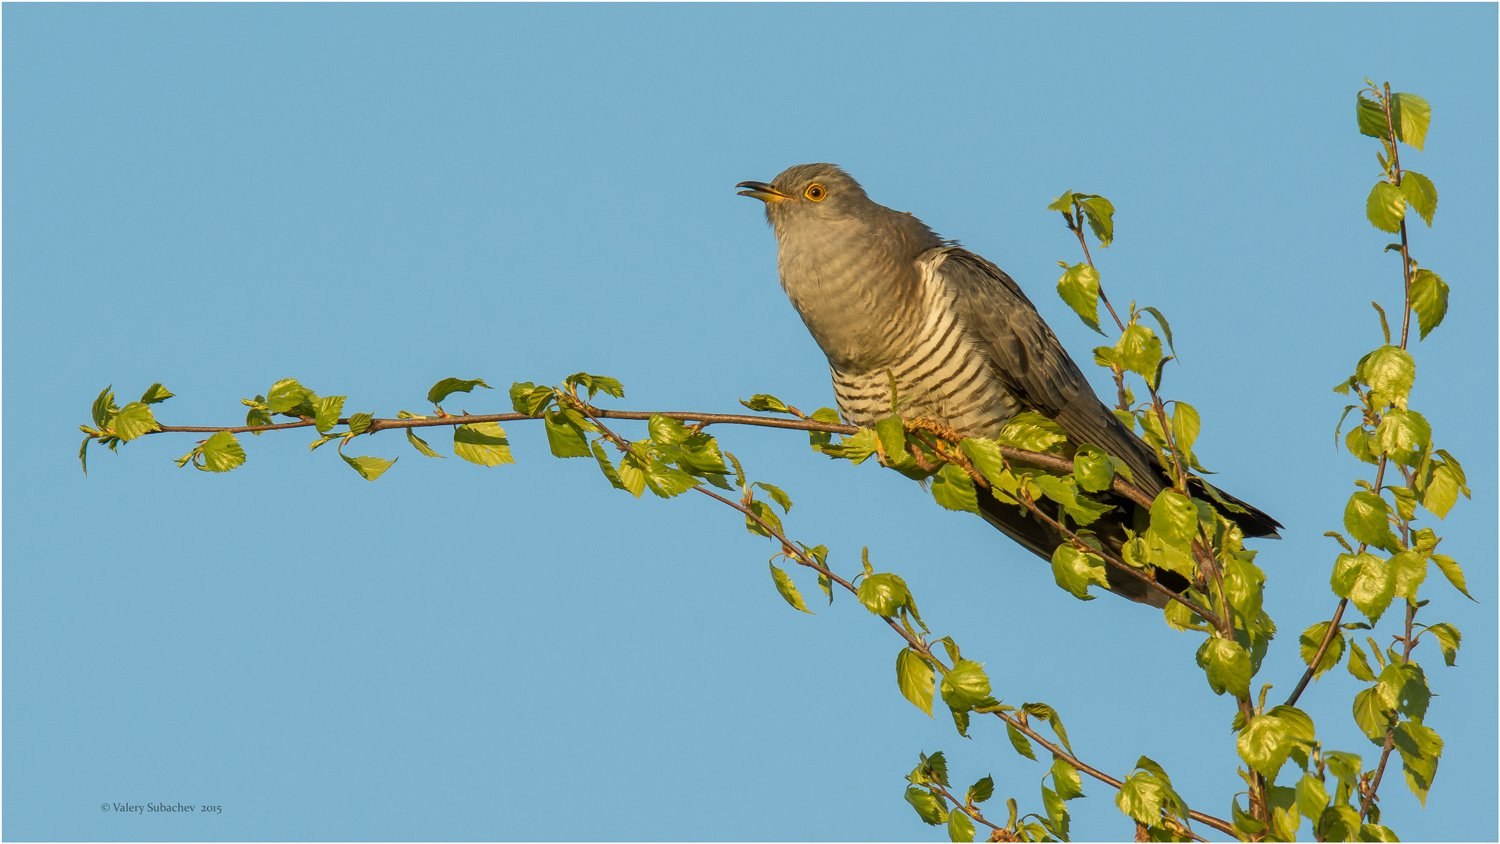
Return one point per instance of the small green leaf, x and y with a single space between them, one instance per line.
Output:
1227 666
1442 490
1420 747
1408 570
1312 637
1420 194
777 495
368 468
929 806
1174 518
1365 579
448 386
1390 372
1100 213
981 791
1386 207
483 443
564 437
1371 117
765 402
1449 640
530 399
1042 710
884 594
104 408
1312 797
360 422
1451 570
221 453
1411 115
1141 797
134 420
965 686
1367 518
788 590
155 393
1065 779
960 828
1265 744
915 678
1074 571
1359 664
1064 490
421 445
1079 288
1020 742
326 412
633 476
1372 716
1429 298
667 481
954 489
1093 469
596 384
1031 431
1185 426
1139 351
1403 435
286 395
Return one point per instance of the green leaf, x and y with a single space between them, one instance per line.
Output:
1420 194
928 805
1065 779
1227 666
633 476
1312 797
1451 570
1390 371
1020 742
1265 744
1031 431
1367 518
965 686
421 445
1449 640
483 443
1075 570
1429 298
1064 490
1339 822
986 457
1403 435
326 412
1079 288
448 386
1093 469
1420 747
666 430
1359 664
1372 715
667 481
1371 117
83 453
884 594
954 489
1312 637
1376 832
960 828
1100 213
221 453
360 422
1386 207
1174 518
1408 570
981 791
368 468
1139 351
530 399
596 384
1142 797
564 437
765 402
155 393
777 495
1442 490
1365 579
258 416
1042 710
104 408
134 420
1185 426
286 395
1063 203
1411 115
915 678
788 590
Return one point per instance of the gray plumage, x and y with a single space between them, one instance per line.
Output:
890 302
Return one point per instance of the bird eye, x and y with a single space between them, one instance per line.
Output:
815 192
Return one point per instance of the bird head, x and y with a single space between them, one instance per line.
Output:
809 192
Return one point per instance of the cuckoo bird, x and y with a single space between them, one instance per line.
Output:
894 306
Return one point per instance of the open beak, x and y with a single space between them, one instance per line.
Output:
762 191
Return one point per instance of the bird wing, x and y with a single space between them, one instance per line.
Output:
1026 356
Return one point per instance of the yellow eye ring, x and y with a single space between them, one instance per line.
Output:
816 192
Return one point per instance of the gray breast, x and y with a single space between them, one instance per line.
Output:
937 369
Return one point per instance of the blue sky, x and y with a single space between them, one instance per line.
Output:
370 198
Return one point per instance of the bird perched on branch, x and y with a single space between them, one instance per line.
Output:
895 306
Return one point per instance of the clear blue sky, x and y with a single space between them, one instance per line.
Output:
370 198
